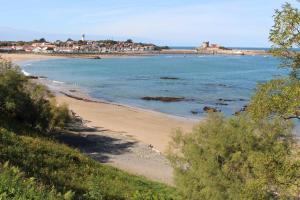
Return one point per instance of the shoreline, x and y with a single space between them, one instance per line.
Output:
142 124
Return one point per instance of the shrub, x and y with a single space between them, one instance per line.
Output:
27 104
236 158
14 185
279 97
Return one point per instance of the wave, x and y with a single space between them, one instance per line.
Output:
25 73
59 82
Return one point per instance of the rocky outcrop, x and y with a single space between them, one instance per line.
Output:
231 100
169 78
208 109
164 99
36 77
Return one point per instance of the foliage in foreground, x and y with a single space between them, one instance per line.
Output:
236 158
26 104
279 98
285 35
14 185
67 170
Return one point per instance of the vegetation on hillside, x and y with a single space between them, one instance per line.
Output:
14 185
254 155
26 104
68 170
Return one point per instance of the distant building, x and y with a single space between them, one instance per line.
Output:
83 37
205 45
214 46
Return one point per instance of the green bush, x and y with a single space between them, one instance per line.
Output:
27 104
279 97
236 158
13 185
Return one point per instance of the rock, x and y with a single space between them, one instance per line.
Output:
243 109
226 100
195 112
97 57
222 104
33 77
231 100
208 109
72 90
169 78
164 99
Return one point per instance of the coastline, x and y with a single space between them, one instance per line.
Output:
149 130
143 124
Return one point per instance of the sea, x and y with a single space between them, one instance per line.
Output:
223 82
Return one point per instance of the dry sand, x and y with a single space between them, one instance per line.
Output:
146 126
16 58
148 131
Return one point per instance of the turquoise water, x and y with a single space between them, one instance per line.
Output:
201 80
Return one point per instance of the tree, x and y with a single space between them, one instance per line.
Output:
129 41
42 40
281 97
285 35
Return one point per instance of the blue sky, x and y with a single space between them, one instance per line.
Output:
165 22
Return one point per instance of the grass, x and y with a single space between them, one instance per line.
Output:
65 169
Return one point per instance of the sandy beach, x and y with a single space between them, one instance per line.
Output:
149 131
150 127
16 58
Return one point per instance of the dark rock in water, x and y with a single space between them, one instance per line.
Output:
72 90
164 99
36 77
230 100
210 109
33 77
169 78
97 57
226 100
222 104
243 109
196 111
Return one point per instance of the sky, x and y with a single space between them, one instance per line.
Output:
231 23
